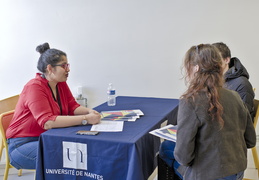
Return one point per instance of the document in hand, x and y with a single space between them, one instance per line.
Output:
167 132
121 115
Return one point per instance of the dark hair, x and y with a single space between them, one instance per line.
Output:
208 78
223 49
48 56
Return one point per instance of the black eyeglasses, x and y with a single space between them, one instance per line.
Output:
64 66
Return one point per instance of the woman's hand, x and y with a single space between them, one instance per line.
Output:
93 117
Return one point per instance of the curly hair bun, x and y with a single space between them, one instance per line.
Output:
42 48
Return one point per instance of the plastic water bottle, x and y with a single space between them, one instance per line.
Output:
111 95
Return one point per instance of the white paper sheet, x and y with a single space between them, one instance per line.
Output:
108 126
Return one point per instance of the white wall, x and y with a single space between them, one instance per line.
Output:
136 44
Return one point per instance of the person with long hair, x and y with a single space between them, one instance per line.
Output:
46 102
214 126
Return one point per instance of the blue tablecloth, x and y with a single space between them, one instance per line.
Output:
127 155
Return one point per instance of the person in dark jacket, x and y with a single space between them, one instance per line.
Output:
167 147
214 126
236 76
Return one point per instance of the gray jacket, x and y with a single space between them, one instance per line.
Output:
206 151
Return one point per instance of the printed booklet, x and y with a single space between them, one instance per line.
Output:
167 132
121 115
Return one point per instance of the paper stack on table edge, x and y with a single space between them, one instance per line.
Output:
108 126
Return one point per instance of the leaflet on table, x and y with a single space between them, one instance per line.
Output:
108 126
120 119
121 115
167 132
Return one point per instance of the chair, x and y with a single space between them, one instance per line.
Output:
7 104
5 119
165 172
254 150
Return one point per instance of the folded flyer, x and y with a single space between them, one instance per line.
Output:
167 132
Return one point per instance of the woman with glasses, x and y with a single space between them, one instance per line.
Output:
214 126
46 102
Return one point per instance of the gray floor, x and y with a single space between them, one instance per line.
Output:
13 175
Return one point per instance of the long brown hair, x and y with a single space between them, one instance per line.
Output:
208 78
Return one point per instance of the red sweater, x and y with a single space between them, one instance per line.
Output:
36 106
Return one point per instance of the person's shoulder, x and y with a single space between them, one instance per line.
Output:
36 83
227 93
238 82
199 98
243 79
230 96
243 84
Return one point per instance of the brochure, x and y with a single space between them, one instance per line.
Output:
167 132
121 115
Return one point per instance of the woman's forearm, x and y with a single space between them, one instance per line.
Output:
82 110
64 121
92 117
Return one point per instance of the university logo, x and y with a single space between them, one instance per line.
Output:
74 155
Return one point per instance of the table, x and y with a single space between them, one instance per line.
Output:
127 155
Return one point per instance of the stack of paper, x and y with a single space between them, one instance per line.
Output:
168 132
121 115
108 126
